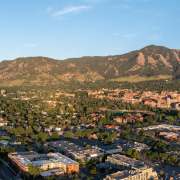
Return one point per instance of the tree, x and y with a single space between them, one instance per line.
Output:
129 152
134 137
93 171
89 110
29 130
169 120
55 135
38 143
78 133
34 171
68 127
68 135
46 137
41 136
142 138
88 146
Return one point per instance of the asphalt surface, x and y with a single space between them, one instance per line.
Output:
7 173
2 177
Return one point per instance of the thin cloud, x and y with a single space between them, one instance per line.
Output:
129 35
70 9
49 9
30 45
155 37
116 34
123 6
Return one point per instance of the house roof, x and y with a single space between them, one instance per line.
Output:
4 142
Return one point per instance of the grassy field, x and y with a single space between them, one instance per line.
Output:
13 82
141 78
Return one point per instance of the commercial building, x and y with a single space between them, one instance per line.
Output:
54 163
88 153
108 149
66 147
75 151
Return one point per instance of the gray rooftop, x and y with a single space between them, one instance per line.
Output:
134 163
66 146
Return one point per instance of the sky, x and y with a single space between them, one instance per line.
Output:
63 29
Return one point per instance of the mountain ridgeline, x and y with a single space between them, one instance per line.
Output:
149 61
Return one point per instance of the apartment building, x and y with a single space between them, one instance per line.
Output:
54 163
130 169
140 174
122 162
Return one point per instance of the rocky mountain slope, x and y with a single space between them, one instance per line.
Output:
149 61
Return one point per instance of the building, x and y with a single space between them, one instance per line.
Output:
169 127
167 135
165 99
75 151
122 162
88 153
108 149
140 174
65 147
3 91
130 169
54 163
3 122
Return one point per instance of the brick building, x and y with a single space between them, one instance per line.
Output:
55 163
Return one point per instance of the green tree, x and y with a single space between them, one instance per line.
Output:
46 137
88 146
29 130
68 135
34 171
55 135
41 136
78 133
38 143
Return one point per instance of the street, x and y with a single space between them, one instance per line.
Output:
7 173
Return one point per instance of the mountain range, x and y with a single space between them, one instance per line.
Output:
149 61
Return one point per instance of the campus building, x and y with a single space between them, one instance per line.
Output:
169 135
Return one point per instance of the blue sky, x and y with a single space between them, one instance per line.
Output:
63 29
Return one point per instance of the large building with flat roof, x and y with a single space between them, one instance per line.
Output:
110 149
75 151
140 174
52 162
66 147
130 169
122 162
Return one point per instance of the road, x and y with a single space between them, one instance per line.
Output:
2 177
7 173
